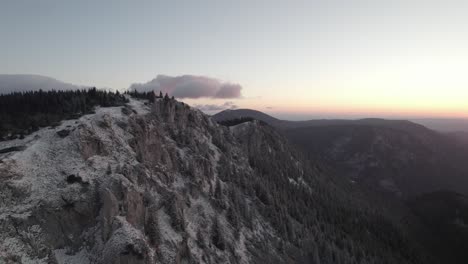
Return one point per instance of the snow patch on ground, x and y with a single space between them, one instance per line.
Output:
140 106
81 257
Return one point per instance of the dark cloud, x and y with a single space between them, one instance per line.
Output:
190 86
214 107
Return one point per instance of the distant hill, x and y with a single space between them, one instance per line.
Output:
28 82
437 124
405 162
444 125
403 125
419 175
243 113
461 136
396 156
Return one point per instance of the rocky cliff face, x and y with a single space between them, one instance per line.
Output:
163 183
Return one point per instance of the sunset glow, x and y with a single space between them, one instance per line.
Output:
311 58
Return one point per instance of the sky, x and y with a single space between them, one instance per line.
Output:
294 59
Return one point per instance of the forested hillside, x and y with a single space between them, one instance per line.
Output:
24 112
318 214
398 166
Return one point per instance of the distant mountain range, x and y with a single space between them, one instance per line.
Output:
442 125
29 82
399 156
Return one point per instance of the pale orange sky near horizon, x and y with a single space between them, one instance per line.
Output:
400 96
311 109
337 58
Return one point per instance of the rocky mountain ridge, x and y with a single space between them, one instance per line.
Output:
163 183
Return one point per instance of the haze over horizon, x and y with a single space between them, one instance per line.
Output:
296 59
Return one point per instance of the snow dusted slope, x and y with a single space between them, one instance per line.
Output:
115 189
49 189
